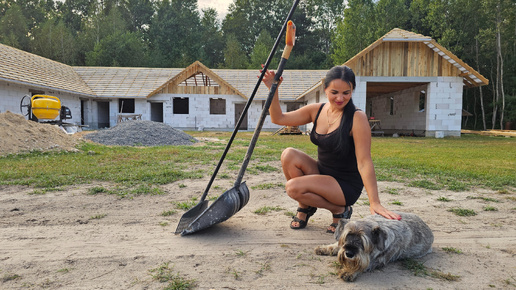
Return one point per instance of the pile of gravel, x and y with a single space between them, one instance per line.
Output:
141 133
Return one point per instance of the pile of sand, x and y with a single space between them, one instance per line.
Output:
19 135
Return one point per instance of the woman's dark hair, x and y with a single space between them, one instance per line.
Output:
344 73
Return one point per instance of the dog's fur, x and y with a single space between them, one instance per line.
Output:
374 241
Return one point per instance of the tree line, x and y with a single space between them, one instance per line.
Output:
175 33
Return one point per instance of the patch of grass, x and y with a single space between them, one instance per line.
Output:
393 191
419 269
443 199
98 216
64 270
451 163
463 212
163 224
490 208
397 202
234 273
266 209
264 267
483 198
267 186
452 250
38 192
266 168
10 277
98 189
510 282
169 212
319 279
240 253
165 274
186 205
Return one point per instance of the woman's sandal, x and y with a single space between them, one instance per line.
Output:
346 214
302 223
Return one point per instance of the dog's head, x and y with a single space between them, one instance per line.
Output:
357 240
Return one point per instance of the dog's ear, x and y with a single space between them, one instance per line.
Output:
340 228
378 238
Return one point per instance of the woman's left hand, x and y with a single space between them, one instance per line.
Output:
268 78
379 209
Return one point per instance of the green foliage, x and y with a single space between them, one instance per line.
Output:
267 209
261 51
452 250
474 161
166 274
419 269
14 27
234 55
127 49
355 32
463 212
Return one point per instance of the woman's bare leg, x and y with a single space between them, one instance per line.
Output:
307 187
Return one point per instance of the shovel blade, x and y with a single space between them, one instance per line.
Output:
189 216
229 203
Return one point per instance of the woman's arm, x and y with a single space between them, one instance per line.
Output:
301 116
362 137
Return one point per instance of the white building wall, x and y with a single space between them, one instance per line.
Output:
360 93
444 107
11 95
199 111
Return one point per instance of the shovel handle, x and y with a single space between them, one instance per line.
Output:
290 39
249 101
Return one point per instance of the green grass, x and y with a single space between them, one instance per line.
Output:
452 250
463 211
166 274
267 209
448 163
419 269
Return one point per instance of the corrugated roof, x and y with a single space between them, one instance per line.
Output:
26 68
295 82
125 82
128 82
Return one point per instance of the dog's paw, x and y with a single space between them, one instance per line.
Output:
327 250
322 251
348 276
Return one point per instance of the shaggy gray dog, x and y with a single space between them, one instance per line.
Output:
374 241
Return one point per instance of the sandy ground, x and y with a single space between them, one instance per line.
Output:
71 240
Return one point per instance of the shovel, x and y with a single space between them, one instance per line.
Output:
230 202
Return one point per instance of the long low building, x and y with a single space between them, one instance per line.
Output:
406 82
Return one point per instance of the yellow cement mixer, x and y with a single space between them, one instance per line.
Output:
43 108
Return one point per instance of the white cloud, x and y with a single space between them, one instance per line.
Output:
220 5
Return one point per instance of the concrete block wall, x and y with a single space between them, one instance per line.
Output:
11 95
199 112
360 94
444 106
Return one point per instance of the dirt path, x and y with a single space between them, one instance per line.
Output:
72 240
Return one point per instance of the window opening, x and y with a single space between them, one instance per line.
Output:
217 106
180 105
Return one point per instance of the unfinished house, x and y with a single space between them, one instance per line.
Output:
409 84
191 98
